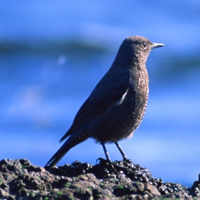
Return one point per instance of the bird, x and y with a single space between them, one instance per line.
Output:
116 106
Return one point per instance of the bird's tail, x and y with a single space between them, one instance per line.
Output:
76 138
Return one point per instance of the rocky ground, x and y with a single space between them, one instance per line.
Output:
21 180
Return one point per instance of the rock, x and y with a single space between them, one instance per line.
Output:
19 179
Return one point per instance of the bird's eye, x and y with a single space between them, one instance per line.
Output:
144 44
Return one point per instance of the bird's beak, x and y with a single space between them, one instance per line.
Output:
156 45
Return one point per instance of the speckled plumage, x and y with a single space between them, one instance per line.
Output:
117 104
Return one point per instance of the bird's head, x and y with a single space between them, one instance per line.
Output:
137 49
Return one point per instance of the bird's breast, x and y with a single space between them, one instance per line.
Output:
137 101
139 80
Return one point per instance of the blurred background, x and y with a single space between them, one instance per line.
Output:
52 54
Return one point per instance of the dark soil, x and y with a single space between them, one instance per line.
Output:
19 179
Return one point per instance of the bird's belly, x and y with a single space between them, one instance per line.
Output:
120 120
132 117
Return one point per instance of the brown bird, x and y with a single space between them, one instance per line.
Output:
117 104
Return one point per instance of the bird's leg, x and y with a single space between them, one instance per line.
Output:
109 166
106 153
123 154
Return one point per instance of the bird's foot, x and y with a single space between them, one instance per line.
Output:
128 163
107 164
104 161
126 160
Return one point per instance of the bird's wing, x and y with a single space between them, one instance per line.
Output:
103 96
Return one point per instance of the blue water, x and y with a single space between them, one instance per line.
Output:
52 54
